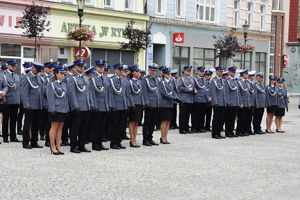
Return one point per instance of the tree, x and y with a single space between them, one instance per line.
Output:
34 22
137 39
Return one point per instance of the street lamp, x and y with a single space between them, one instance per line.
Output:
218 53
80 4
245 29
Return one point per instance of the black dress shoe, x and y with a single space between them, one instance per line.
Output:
42 137
5 140
246 134
147 143
114 146
15 140
47 144
36 145
194 131
222 137
215 137
162 142
202 131
134 145
84 149
74 150
103 147
27 146
121 146
182 132
153 143
96 148
229 135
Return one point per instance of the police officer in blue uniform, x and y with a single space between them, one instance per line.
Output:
31 97
11 101
174 78
244 112
200 100
232 101
271 102
186 87
208 106
250 83
282 104
46 77
99 87
217 92
150 92
118 103
259 103
80 104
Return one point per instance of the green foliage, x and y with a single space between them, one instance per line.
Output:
137 39
228 45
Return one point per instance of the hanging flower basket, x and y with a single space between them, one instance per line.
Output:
81 34
244 48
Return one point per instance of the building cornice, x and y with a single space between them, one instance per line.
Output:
205 26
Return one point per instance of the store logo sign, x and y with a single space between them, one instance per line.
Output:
178 38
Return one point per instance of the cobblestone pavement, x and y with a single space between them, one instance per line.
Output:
194 166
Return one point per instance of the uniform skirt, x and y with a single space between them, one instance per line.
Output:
272 109
166 114
58 117
280 112
135 113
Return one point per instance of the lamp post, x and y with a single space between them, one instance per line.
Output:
245 30
218 53
80 4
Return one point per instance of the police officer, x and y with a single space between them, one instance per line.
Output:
208 106
80 104
173 79
282 103
232 101
186 87
118 104
217 92
11 101
200 100
31 97
99 86
259 103
250 83
244 112
125 76
46 77
150 92
271 102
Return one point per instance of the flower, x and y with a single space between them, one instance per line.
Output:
81 34
244 48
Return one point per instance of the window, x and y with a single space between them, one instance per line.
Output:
128 5
180 8
90 3
250 14
236 14
204 57
206 10
10 50
108 3
261 62
262 16
242 61
160 7
277 5
180 57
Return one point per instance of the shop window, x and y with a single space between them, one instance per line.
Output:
204 57
10 50
28 52
206 10
260 62
242 61
180 57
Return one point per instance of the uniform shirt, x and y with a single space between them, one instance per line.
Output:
167 93
201 95
244 92
232 92
282 101
186 88
46 78
271 95
99 86
217 92
150 91
56 93
11 80
136 92
118 92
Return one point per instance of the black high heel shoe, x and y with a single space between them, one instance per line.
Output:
134 145
162 142
279 131
60 152
54 153
268 131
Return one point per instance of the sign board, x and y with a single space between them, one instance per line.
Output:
178 38
85 52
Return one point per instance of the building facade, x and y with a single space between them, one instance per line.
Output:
107 18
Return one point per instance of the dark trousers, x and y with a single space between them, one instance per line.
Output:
198 113
231 112
151 115
108 126
118 124
173 122
32 120
257 118
249 119
66 129
10 113
125 125
208 112
20 118
184 116
98 126
78 135
243 120
218 119
45 124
